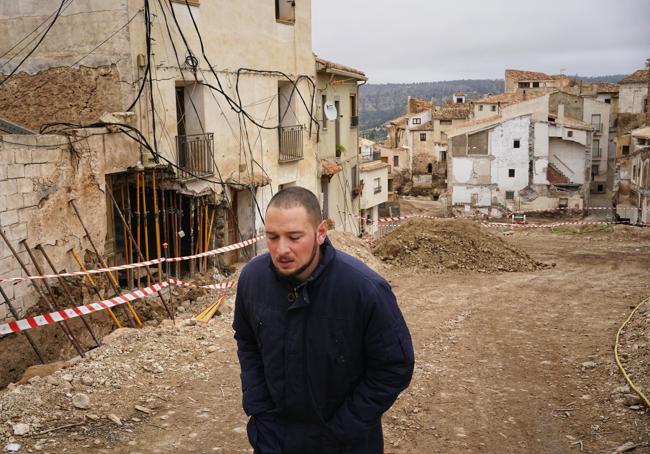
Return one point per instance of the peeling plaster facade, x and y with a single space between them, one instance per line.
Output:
92 63
39 175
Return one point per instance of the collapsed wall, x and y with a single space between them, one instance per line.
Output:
39 176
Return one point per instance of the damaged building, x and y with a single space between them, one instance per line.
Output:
136 124
416 148
536 154
632 182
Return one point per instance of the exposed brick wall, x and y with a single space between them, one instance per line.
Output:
76 95
37 180
555 177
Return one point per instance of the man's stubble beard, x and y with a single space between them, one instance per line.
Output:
300 270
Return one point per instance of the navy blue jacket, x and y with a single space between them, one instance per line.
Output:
321 360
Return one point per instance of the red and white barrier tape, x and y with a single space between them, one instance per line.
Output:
66 314
220 250
542 226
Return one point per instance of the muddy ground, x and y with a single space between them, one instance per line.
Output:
506 362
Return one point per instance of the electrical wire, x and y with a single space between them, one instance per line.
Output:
27 36
47 30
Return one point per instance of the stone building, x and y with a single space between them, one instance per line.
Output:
536 154
338 143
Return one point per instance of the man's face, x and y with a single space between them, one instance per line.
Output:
293 240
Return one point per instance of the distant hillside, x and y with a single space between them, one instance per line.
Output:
383 102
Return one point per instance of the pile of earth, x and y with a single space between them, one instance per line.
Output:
356 247
442 245
634 352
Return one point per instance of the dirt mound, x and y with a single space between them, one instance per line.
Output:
356 247
451 245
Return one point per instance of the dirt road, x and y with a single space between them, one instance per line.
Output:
507 363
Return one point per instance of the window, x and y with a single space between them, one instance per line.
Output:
510 195
443 155
480 107
595 122
395 161
285 11
423 137
535 84
354 176
516 143
416 121
430 168
323 102
494 108
459 100
626 150
595 149
511 173
445 122
376 185
594 170
569 133
608 101
354 115
601 188
524 85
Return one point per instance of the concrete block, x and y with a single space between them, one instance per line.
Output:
6 156
47 169
32 170
14 201
16 171
23 156
3 172
7 265
8 187
44 155
26 214
3 203
30 199
8 218
24 185
4 251
16 233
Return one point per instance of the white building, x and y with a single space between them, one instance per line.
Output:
374 178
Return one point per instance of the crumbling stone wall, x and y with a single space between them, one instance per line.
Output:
39 175
76 95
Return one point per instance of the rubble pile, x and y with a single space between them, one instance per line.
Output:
356 247
442 245
115 388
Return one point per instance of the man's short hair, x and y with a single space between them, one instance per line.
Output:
298 196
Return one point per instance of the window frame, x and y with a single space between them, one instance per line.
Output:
423 137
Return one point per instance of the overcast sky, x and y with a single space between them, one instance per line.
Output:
429 40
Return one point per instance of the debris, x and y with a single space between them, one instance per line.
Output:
12 447
629 446
143 409
81 401
87 380
72 423
443 245
21 429
115 419
588 365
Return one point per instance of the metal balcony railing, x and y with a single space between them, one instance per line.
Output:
195 155
354 121
377 189
290 143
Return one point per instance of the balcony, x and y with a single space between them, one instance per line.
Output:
290 143
354 121
195 156
376 189
375 156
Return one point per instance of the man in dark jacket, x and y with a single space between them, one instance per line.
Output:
323 347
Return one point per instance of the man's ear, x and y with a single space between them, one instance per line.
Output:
321 232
